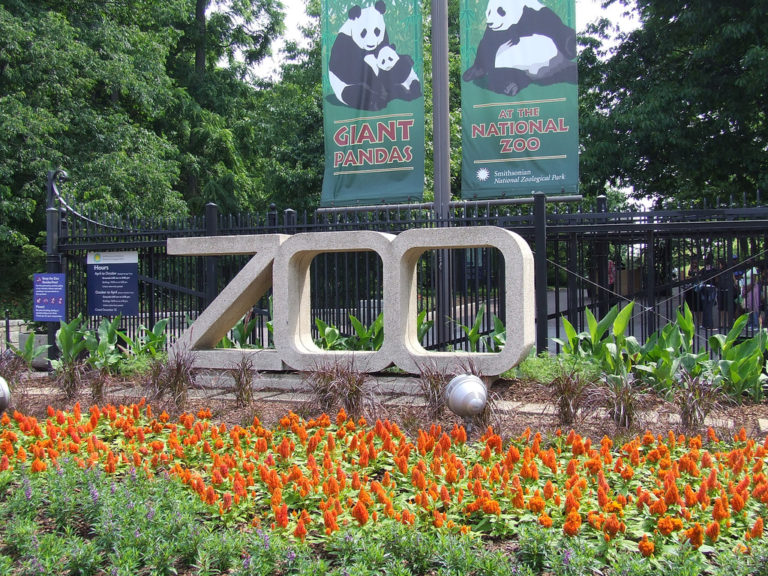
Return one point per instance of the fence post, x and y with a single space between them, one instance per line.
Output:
540 269
52 256
651 276
572 284
289 220
272 217
7 329
211 276
601 257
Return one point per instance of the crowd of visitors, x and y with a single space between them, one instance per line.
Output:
712 290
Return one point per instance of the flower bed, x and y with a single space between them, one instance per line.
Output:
309 480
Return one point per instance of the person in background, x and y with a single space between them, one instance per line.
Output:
691 289
724 282
708 292
752 296
611 280
764 297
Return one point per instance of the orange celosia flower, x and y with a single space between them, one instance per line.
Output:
720 510
572 523
360 513
713 531
612 526
329 519
757 528
668 524
545 520
536 504
659 507
39 466
646 547
571 503
301 530
281 516
737 503
695 534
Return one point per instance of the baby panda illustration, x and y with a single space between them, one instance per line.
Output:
524 42
396 73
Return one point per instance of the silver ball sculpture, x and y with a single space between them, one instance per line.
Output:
466 395
5 395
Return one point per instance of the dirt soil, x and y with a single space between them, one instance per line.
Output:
536 410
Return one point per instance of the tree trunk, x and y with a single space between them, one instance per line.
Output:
200 8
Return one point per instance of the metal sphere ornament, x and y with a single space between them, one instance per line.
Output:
466 395
5 395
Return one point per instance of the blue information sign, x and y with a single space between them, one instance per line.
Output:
113 283
49 297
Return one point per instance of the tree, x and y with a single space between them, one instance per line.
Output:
679 107
79 89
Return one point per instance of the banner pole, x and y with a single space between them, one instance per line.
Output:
442 170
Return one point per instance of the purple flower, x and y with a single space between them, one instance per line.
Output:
27 489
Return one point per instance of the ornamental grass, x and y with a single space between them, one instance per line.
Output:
310 479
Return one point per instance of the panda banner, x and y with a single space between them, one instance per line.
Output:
373 105
519 98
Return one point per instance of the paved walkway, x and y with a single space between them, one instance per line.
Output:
395 391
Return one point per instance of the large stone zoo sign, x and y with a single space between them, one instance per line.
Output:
283 262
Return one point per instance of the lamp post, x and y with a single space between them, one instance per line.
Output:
52 256
442 159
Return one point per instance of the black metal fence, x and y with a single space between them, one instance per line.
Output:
586 257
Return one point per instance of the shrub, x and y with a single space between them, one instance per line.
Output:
432 382
339 385
243 374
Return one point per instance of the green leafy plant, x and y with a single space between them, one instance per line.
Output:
423 326
497 339
330 338
589 342
240 334
669 352
29 352
605 342
103 353
152 342
367 337
473 332
70 340
741 362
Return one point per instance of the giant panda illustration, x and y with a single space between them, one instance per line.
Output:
524 42
364 70
354 82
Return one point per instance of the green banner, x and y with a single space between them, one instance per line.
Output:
373 104
519 98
